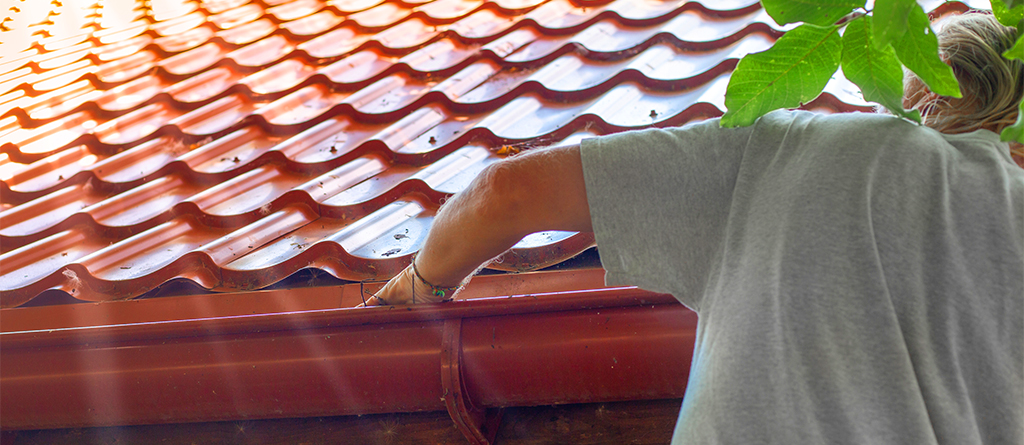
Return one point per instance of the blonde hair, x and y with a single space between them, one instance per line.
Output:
973 44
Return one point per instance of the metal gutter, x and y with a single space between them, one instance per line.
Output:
569 346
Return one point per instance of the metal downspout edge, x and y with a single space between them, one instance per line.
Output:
478 424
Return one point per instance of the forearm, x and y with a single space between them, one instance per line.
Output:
540 190
535 191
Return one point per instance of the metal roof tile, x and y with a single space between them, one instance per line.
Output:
296 9
183 41
234 143
219 6
247 33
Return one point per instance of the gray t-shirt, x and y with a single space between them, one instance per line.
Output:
858 278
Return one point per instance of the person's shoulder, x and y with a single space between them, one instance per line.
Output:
853 127
854 119
984 145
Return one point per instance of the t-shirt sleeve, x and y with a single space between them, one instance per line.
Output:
659 202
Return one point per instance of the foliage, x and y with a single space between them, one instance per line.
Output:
794 73
917 49
817 12
872 51
874 68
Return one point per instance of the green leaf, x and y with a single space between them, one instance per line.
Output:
1015 132
817 12
918 49
791 72
1006 14
876 71
1017 50
1012 3
891 20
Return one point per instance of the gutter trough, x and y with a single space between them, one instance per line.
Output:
470 357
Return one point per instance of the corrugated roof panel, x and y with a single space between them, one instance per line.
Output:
235 142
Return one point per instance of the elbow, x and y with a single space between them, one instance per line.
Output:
499 198
540 190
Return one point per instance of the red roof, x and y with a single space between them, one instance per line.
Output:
236 143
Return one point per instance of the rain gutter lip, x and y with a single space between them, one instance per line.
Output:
120 363
430 313
197 325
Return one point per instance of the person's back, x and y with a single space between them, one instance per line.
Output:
866 283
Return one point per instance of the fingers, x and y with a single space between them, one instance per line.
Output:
404 288
397 291
373 301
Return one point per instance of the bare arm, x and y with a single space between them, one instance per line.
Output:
538 190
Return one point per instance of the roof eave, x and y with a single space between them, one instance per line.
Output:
218 363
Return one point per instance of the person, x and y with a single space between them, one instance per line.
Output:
858 278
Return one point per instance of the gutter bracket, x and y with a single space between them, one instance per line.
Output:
478 424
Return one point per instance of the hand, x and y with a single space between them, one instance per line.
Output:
405 288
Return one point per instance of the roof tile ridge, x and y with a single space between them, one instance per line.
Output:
176 166
412 184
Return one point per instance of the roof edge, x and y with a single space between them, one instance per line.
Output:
573 346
